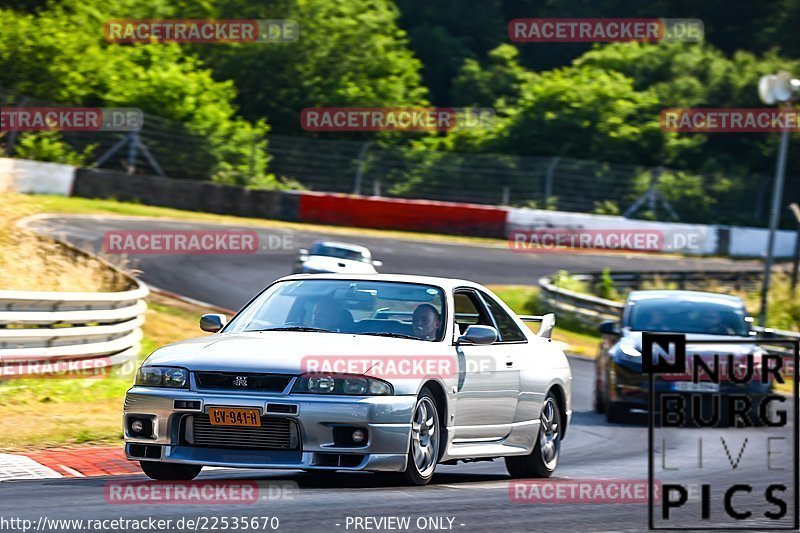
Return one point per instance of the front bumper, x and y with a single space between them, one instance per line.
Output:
386 419
629 385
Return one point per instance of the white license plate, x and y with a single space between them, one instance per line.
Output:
688 386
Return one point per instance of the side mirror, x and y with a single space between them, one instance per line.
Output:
476 334
302 251
609 328
377 263
213 322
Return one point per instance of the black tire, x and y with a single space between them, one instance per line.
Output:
599 400
428 438
169 471
543 459
617 413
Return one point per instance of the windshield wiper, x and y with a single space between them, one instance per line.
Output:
295 328
389 334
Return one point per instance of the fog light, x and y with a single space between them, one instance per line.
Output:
136 426
359 436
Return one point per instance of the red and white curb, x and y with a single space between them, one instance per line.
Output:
87 461
14 467
67 463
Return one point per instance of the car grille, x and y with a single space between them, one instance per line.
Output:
242 381
273 434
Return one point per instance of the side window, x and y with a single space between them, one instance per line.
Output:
469 310
509 331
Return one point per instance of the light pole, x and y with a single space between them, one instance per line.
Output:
775 88
360 167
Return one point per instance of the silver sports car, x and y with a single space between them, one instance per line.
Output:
372 372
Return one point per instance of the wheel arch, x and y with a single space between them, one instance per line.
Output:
561 398
439 394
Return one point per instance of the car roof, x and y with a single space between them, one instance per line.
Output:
685 296
445 283
345 245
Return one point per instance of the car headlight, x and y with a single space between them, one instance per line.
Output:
630 352
163 376
353 385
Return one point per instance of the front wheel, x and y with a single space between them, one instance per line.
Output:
423 453
599 401
169 471
542 461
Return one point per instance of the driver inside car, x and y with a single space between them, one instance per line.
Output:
331 315
426 321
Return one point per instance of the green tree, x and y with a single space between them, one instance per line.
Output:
348 54
59 54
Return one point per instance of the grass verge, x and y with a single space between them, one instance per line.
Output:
29 262
524 300
88 206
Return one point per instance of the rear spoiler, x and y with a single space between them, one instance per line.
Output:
548 323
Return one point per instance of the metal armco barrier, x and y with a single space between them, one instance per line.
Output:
592 310
51 332
585 308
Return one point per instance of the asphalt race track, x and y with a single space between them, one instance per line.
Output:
231 280
475 496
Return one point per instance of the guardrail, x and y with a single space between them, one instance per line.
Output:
591 310
585 308
47 333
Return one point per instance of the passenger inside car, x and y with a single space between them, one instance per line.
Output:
715 324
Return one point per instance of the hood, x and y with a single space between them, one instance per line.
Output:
283 352
324 263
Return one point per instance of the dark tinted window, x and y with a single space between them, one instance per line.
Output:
509 332
685 316
469 310
340 253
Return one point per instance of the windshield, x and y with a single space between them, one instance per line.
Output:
341 253
347 306
688 317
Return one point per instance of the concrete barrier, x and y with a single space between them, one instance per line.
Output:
712 240
752 242
186 194
36 177
369 212
397 214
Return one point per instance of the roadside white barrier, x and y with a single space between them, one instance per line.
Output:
50 332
